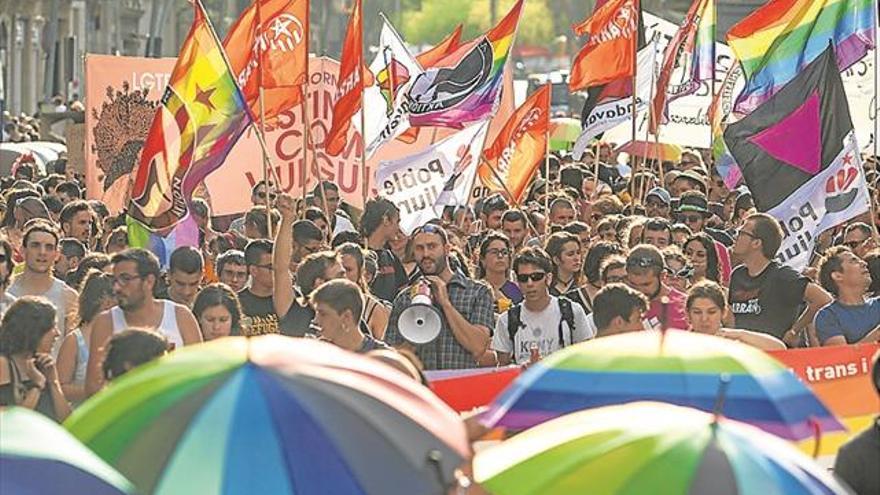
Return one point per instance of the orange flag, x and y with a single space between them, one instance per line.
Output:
268 46
431 56
350 85
608 54
519 148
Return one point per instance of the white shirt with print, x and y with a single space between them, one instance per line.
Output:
541 328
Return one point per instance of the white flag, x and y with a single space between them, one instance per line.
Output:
442 175
607 115
385 117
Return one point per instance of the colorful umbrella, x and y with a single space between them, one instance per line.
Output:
652 150
275 415
37 456
681 368
564 132
645 447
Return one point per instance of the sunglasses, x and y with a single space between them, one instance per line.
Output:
262 195
3 258
534 277
686 272
692 218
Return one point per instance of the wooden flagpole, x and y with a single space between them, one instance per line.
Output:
262 97
513 199
633 159
547 174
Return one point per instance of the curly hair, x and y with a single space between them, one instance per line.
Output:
96 287
24 324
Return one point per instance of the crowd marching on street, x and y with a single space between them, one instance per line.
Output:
573 246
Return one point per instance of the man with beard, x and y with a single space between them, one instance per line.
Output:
135 273
465 307
40 248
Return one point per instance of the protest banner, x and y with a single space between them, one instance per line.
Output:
421 185
122 94
840 376
113 141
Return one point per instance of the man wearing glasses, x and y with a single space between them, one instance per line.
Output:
259 194
466 307
766 296
693 211
542 323
257 301
135 273
859 238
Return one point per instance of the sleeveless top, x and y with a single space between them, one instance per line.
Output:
167 327
55 295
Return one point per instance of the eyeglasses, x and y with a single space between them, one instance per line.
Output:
498 252
746 232
429 228
262 195
534 277
125 279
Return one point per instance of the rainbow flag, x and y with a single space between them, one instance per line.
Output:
779 39
470 90
185 233
692 51
201 116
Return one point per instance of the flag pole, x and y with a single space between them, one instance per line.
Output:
513 198
547 173
365 177
714 20
263 122
596 164
257 129
634 158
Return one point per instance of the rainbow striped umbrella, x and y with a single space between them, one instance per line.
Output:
37 457
679 368
275 415
647 448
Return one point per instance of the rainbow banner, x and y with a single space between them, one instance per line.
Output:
469 91
201 116
840 376
779 39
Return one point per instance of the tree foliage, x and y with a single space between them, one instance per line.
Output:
437 18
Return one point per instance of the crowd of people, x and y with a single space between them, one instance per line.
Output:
593 250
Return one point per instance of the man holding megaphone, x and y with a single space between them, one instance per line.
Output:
464 308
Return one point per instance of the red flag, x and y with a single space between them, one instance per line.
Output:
519 148
268 46
608 54
350 85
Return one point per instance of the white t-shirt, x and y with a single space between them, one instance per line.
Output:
541 328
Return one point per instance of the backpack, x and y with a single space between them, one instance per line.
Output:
514 320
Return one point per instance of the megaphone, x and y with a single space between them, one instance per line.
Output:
420 323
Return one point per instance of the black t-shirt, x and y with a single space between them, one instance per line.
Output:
260 311
390 277
769 303
298 320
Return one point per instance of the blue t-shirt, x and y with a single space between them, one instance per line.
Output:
852 322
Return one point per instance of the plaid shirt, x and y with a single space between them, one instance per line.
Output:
475 303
